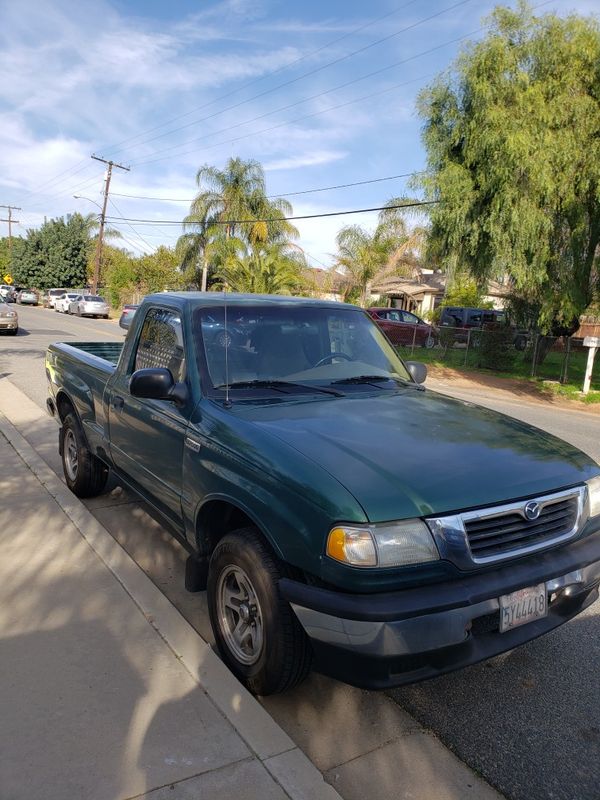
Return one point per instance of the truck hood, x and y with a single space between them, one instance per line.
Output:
412 453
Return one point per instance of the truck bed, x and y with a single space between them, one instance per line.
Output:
109 351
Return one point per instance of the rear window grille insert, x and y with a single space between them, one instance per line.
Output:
510 532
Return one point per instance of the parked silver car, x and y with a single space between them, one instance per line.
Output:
27 297
9 321
89 305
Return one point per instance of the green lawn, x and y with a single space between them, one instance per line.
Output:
519 367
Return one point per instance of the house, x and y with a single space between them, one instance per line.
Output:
326 284
424 291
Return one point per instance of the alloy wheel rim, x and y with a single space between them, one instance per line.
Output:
71 454
240 616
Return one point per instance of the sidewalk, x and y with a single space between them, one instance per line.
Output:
106 692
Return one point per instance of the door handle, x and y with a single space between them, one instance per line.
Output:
117 402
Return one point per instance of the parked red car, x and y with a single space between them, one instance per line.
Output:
404 328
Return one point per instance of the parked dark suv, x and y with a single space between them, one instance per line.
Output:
461 320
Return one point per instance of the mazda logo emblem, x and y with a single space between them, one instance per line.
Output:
532 510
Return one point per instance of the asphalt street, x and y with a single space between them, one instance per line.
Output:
527 721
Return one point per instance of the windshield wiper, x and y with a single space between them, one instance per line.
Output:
279 386
372 379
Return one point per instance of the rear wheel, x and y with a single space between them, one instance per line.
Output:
256 631
85 474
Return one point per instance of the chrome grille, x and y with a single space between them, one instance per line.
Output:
488 535
498 534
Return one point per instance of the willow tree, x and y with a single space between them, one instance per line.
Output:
512 133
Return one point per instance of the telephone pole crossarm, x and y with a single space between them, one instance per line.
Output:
10 221
109 168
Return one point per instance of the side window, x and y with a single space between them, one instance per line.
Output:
410 318
161 343
395 316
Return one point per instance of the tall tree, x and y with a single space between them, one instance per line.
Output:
54 255
274 268
231 209
366 256
512 133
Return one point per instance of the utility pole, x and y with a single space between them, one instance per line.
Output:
110 165
10 221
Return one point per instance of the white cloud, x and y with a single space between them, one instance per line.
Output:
305 160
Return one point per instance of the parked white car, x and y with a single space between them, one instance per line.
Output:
62 302
53 295
89 305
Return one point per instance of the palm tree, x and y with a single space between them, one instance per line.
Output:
230 211
274 268
366 256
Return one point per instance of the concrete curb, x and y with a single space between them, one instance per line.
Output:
285 762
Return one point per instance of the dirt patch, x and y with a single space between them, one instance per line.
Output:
510 388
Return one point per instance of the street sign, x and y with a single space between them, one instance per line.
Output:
8 279
591 341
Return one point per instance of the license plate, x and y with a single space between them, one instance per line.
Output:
523 606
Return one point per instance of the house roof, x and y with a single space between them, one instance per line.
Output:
326 280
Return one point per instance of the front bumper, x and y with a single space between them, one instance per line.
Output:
384 640
8 323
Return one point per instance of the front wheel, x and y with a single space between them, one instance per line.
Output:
85 474
256 631
429 342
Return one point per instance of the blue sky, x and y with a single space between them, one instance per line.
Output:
167 87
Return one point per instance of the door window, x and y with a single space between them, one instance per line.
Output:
161 343
410 318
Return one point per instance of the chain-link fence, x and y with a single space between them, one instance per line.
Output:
501 349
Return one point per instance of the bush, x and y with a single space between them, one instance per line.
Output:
495 348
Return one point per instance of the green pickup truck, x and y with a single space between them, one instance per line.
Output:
338 514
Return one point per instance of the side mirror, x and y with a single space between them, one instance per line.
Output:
157 384
417 370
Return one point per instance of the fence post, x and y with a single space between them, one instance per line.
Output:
564 374
412 348
468 344
534 359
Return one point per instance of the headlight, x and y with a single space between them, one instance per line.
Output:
393 544
593 487
11 314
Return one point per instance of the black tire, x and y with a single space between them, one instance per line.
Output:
84 473
284 656
14 332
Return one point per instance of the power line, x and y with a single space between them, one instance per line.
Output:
309 73
140 237
278 219
264 77
285 194
370 96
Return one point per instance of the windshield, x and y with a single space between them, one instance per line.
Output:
311 345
